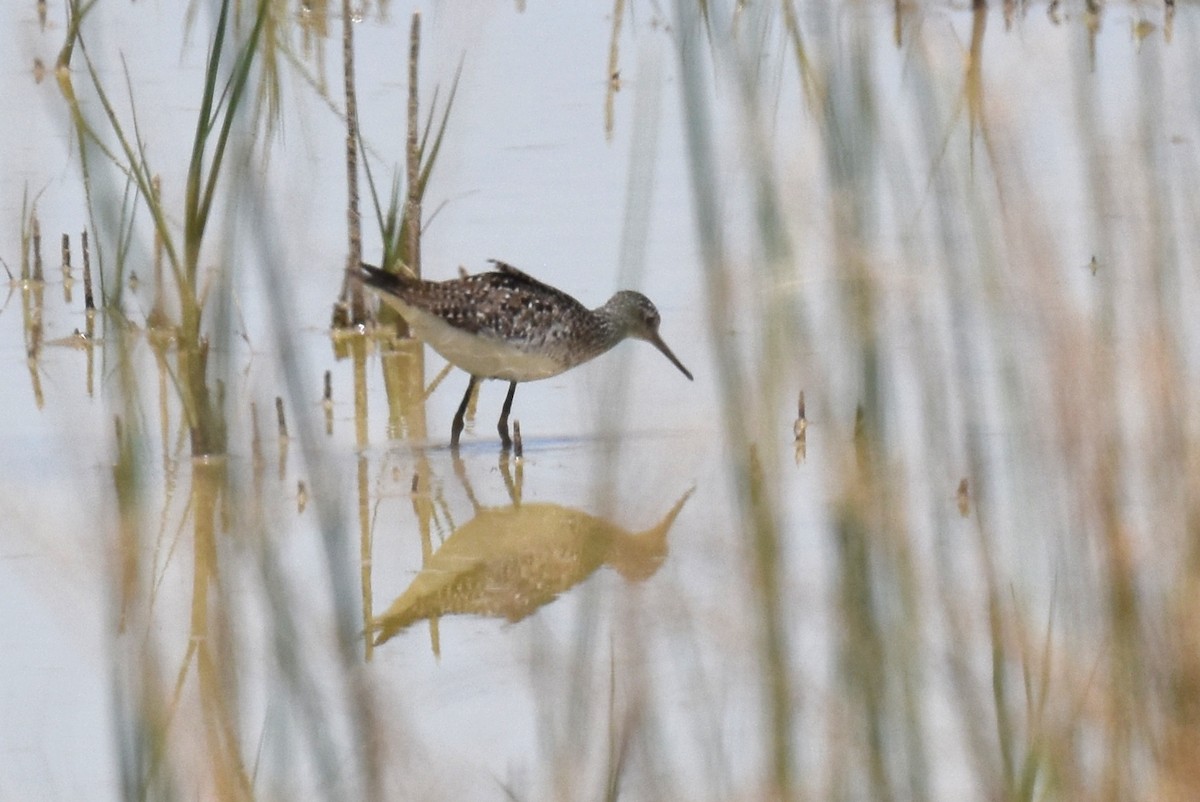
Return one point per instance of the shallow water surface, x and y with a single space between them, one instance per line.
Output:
922 526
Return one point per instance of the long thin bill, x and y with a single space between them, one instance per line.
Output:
657 342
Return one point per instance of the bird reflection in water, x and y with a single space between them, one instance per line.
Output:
506 562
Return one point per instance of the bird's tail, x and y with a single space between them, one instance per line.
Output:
382 279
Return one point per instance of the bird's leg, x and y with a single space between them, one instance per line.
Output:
502 427
457 427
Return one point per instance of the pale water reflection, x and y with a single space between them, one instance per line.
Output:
509 561
966 570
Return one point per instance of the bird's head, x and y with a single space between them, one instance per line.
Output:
635 316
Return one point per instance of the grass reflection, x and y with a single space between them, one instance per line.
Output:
164 725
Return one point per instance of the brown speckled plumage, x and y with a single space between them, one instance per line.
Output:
509 305
506 324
